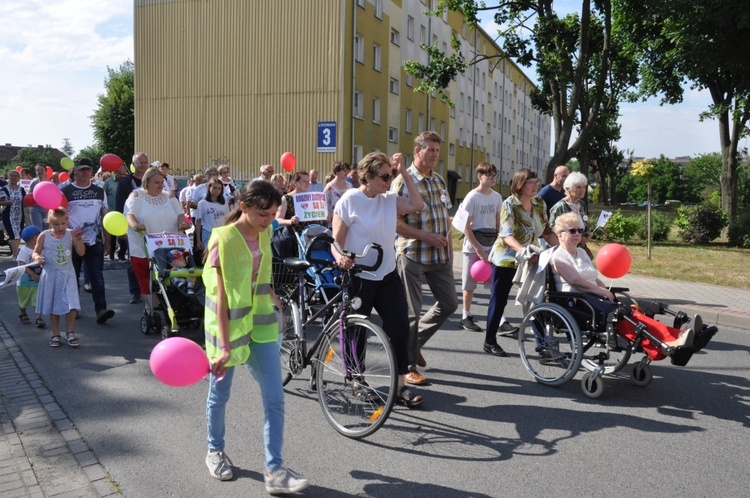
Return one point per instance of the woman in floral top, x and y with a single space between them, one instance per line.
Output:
523 219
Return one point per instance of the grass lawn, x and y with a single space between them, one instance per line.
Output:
714 263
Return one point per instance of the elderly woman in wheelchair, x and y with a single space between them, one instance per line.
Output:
584 323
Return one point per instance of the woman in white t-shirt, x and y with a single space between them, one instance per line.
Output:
368 214
212 211
336 188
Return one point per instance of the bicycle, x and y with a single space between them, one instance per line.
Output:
356 397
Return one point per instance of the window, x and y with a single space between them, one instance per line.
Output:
376 110
442 130
358 104
359 48
410 80
422 34
407 121
395 37
358 154
452 149
361 3
453 111
393 135
376 51
410 28
420 124
379 9
441 168
433 124
393 86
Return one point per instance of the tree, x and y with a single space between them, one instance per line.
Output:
705 43
702 177
114 118
95 152
602 152
579 70
28 157
67 147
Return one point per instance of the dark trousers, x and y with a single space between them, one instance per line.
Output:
117 245
502 283
93 258
389 300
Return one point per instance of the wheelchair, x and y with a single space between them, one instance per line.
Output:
564 333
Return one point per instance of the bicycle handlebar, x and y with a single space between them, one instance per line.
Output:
359 267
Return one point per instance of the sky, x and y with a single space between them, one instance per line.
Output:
54 56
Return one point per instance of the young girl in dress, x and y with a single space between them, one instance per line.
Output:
241 328
211 212
58 289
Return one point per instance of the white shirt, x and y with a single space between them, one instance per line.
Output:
483 210
212 214
196 195
159 215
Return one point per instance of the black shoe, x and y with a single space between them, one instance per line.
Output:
703 337
507 329
135 299
494 350
104 315
468 324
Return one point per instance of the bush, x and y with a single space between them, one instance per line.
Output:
660 226
619 227
739 231
700 224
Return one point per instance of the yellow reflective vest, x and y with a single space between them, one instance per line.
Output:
251 311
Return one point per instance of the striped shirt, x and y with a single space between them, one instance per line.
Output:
432 218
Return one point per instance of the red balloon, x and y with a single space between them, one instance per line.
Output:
613 260
28 200
288 161
179 362
19 168
49 172
63 177
111 162
63 202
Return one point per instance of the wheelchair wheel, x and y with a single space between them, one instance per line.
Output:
592 385
641 374
356 377
290 349
614 356
550 344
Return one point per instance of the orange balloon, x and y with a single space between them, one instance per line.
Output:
49 172
288 161
63 177
613 260
19 168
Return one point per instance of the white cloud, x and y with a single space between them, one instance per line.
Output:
55 55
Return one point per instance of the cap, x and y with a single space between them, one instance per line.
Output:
29 233
155 164
176 254
83 163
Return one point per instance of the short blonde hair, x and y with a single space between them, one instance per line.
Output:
567 219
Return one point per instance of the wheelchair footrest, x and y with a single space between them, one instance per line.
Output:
682 355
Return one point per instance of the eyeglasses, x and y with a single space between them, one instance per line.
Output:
491 175
531 182
574 231
386 177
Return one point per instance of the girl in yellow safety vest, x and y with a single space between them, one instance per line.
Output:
241 328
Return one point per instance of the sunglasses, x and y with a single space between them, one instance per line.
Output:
386 177
574 231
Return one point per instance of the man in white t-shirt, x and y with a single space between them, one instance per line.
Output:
483 207
170 185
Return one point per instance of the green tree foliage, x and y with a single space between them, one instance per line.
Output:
704 42
580 68
604 155
28 157
95 152
114 118
666 183
660 226
700 224
67 148
701 177
739 231
619 227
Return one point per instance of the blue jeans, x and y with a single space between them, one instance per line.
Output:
205 235
38 217
94 260
265 368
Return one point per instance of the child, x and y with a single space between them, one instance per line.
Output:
58 289
237 276
29 283
212 211
178 259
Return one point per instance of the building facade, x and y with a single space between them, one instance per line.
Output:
242 81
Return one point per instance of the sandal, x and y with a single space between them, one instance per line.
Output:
55 341
365 392
72 341
409 398
40 324
24 318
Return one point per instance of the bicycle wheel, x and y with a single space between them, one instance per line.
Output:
290 349
550 344
356 377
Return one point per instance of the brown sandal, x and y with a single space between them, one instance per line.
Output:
24 318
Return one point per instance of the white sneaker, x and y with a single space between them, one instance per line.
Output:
219 465
283 481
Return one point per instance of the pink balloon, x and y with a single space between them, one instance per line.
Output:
47 195
613 260
288 161
179 362
481 271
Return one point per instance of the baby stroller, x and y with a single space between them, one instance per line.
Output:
565 332
179 307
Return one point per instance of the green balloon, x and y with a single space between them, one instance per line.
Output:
66 163
115 223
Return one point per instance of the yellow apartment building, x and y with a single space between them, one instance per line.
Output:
243 81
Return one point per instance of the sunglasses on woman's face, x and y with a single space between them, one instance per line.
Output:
574 231
386 177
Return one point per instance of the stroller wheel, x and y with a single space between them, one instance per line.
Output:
145 324
166 332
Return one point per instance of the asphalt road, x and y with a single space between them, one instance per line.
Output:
486 427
